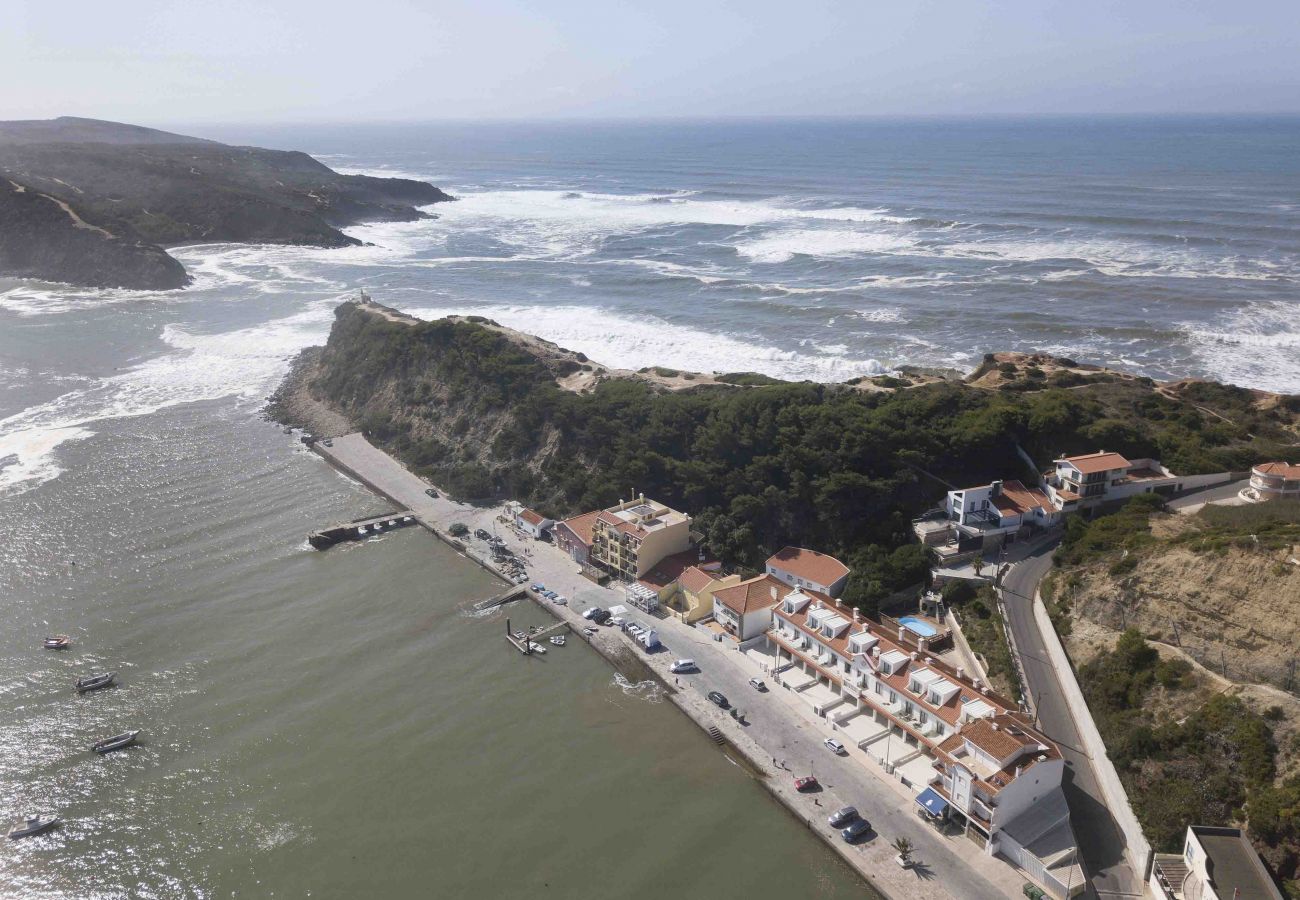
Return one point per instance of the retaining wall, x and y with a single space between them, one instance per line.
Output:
1139 848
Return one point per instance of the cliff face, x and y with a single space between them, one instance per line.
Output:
486 412
126 192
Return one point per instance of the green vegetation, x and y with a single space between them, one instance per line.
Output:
458 529
981 624
1123 532
1263 527
1203 768
748 379
817 465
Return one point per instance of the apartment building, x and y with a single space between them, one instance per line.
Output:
744 610
630 539
969 754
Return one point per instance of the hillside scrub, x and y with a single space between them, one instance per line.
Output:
1205 766
758 466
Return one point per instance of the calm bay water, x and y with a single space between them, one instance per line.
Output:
327 724
334 724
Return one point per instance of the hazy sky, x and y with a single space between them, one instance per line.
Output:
161 61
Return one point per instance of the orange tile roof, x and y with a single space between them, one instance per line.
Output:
1101 461
1016 498
696 579
531 517
819 568
671 568
754 594
581 525
1279 469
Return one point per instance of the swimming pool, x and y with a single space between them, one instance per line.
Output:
918 626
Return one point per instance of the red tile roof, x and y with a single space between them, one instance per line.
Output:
754 594
1018 499
671 568
531 517
1101 461
818 568
696 579
1278 470
581 525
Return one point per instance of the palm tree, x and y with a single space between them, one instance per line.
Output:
904 848
978 564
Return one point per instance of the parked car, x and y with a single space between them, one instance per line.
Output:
601 616
842 816
807 783
431 492
590 612
835 746
682 665
718 699
481 534
855 830
758 684
538 588
560 601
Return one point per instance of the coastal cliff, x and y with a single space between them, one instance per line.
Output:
488 412
95 203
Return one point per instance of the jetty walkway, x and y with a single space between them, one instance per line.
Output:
780 738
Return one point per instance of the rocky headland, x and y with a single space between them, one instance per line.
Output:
96 203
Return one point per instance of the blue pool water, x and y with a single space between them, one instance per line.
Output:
918 626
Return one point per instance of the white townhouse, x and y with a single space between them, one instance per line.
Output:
1079 482
802 568
1000 511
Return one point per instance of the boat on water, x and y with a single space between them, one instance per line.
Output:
95 682
534 647
116 742
57 642
32 825
557 640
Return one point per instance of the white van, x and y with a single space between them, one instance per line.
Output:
682 665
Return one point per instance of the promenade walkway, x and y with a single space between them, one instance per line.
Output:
781 737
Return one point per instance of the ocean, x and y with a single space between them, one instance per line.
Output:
331 724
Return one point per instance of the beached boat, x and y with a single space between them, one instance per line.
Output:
95 682
116 742
557 640
32 825
58 642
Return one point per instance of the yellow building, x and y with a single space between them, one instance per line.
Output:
630 539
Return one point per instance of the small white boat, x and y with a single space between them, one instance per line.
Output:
95 682
557 640
116 742
32 825
534 647
58 642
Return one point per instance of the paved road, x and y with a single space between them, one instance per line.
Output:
1101 843
1196 499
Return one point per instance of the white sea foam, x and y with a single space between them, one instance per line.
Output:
561 222
637 341
1257 345
245 363
784 245
1119 258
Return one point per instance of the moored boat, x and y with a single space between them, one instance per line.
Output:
32 825
116 742
557 640
57 642
95 682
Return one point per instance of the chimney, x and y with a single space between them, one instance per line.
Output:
961 673
995 489
773 590
915 656
1018 770
994 726
838 604
875 651
923 645
857 614
902 633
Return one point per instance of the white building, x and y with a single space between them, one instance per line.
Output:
1274 481
531 522
967 753
745 610
802 568
1000 511
1216 864
1080 482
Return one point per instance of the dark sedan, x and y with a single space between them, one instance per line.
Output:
718 699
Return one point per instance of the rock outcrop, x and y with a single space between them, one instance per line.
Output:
94 203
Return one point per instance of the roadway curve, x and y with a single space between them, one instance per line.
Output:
1101 843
